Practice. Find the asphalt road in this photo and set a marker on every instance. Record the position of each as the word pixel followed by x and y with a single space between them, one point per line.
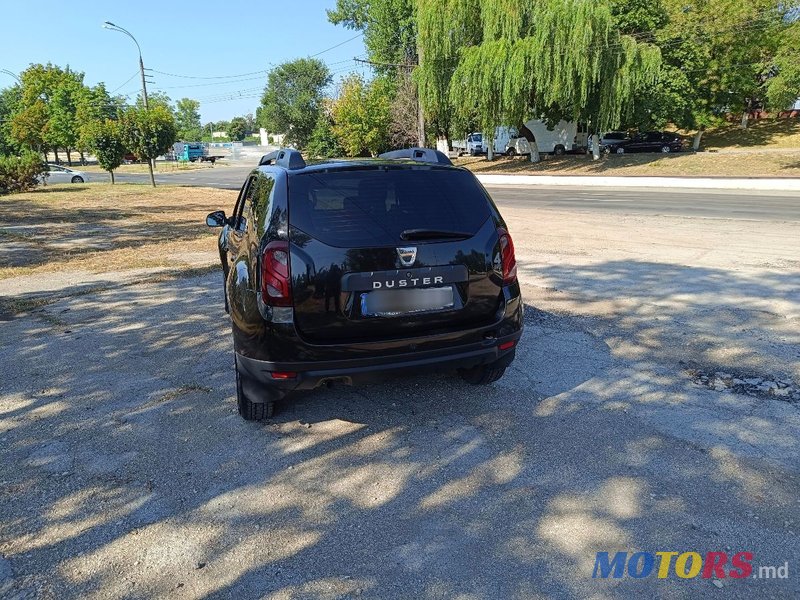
pixel 728 204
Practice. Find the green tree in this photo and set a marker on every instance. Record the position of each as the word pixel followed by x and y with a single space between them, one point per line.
pixel 719 57
pixel 389 26
pixel 56 90
pixel 361 116
pixel 292 98
pixel 9 104
pixel 323 142
pixel 105 141
pixel 29 127
pixel 784 88
pixel 148 133
pixel 187 117
pixel 237 129
pixel 64 128
pixel 94 104
pixel 552 58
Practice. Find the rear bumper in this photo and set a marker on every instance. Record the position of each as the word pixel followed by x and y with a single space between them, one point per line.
pixel 259 384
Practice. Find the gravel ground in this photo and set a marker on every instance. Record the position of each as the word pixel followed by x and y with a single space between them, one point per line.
pixel 126 471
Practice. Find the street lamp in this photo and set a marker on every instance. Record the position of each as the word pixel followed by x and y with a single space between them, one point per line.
pixel 112 27
pixel 10 74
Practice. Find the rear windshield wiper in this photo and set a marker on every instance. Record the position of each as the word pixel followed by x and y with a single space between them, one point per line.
pixel 432 234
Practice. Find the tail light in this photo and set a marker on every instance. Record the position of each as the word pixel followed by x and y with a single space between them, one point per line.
pixel 276 287
pixel 507 258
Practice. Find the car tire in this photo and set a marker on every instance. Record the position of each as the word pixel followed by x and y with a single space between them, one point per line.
pixel 77 179
pixel 511 152
pixel 619 150
pixel 251 411
pixel 482 374
pixel 666 149
pixel 559 150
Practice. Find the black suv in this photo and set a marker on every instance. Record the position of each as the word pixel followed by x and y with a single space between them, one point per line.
pixel 351 270
pixel 648 141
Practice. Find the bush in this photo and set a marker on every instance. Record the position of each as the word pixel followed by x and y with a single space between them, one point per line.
pixel 19 173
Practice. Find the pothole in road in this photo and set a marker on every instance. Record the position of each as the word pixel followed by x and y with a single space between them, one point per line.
pixel 758 386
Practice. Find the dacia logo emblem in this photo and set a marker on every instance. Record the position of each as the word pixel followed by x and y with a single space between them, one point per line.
pixel 407 256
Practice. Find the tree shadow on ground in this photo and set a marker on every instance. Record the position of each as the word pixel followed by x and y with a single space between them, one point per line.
pixel 126 471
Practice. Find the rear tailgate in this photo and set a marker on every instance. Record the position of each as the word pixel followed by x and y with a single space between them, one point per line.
pixel 356 279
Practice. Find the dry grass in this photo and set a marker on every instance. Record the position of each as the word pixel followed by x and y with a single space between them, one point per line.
pixel 765 134
pixel 771 164
pixel 99 228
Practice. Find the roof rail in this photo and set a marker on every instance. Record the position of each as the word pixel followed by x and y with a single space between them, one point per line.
pixel 421 154
pixel 284 157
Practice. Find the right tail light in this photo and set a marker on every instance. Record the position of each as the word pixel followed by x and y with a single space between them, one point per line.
pixel 507 258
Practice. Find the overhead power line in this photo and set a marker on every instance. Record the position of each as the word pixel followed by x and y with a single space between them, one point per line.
pixel 337 45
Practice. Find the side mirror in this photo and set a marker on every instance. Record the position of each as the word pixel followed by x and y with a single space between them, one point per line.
pixel 217 219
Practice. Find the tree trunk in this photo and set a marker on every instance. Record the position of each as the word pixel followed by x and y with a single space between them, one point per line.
pixel 112 177
pixel 55 153
pixel 490 151
pixel 745 116
pixel 83 159
pixel 150 167
pixel 595 147
pixel 535 155
pixel 69 156
pixel 697 137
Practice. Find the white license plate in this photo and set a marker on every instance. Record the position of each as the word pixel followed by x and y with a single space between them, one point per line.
pixel 385 303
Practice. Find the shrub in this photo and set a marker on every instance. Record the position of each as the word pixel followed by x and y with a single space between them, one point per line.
pixel 19 173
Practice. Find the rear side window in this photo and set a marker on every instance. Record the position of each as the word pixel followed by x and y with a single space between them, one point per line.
pixel 372 207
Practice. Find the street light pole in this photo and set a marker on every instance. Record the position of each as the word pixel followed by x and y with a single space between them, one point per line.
pixel 109 25
pixel 10 74
pixel 113 27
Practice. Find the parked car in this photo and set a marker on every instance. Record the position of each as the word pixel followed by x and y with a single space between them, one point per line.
pixel 609 137
pixel 59 174
pixel 349 271
pixel 647 141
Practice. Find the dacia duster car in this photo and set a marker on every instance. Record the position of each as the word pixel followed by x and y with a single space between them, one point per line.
pixel 353 270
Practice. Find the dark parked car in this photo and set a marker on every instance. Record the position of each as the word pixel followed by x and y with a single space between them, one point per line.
pixel 648 141
pixel 348 271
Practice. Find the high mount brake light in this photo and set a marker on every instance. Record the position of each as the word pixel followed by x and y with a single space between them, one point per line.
pixel 507 257
pixel 276 287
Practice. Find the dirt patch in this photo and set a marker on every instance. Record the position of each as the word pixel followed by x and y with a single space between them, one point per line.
pixel 100 227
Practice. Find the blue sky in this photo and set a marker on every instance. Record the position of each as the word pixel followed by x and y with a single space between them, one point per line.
pixel 193 39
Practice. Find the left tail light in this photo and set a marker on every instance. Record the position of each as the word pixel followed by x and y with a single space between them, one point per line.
pixel 276 280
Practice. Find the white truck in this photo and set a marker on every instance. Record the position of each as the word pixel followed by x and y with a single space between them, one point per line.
pixel 563 137
pixel 472 145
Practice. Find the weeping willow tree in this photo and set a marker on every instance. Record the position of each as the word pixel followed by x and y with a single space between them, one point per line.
pixel 502 62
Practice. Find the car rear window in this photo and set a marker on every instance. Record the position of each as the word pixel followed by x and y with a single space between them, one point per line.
pixel 372 207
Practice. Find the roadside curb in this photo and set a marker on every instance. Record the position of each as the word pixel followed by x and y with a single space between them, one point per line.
pixel 776 184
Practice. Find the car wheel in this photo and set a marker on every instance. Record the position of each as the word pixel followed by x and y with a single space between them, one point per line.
pixel 620 150
pixel 666 149
pixel 482 374
pixel 511 152
pixel 251 411
pixel 559 150
pixel 77 179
